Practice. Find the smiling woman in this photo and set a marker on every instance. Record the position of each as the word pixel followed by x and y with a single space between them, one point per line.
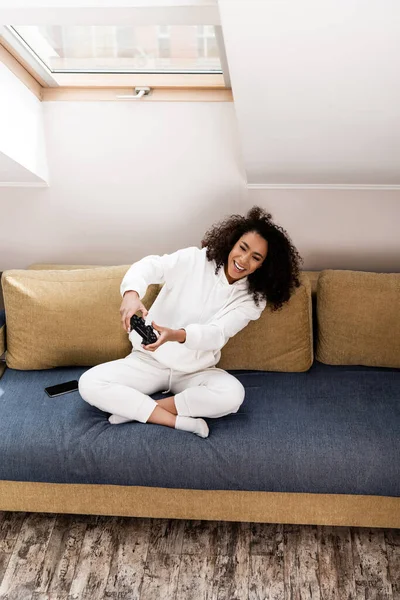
pixel 199 308
pixel 244 258
pixel 270 261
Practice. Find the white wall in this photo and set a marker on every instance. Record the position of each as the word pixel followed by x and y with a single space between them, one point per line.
pixel 338 229
pixel 22 145
pixel 316 88
pixel 130 179
pixel 127 179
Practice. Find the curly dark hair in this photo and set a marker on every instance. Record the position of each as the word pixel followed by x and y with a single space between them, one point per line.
pixel 278 275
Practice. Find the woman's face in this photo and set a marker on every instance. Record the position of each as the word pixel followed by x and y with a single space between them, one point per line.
pixel 249 252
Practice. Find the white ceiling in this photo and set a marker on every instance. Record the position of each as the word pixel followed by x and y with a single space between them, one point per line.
pixel 316 83
pixel 316 86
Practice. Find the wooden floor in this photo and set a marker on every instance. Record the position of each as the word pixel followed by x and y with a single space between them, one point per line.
pixel 47 556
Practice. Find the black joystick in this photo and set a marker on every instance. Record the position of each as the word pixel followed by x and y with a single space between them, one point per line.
pixel 146 331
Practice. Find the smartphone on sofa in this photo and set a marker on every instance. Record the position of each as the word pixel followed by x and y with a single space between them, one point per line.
pixel 62 388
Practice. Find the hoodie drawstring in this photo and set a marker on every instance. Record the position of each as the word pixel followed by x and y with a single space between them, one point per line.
pixel 169 384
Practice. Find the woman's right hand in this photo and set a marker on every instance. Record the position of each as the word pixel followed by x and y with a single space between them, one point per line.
pixel 130 305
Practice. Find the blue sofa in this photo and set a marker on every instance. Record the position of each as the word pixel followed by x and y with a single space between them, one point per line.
pixel 318 447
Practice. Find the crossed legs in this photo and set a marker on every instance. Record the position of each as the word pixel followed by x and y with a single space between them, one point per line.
pixel 124 387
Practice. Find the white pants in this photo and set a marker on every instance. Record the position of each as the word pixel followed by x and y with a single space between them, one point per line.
pixel 122 387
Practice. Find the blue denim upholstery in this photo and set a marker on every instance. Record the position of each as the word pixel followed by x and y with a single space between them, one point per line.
pixel 334 429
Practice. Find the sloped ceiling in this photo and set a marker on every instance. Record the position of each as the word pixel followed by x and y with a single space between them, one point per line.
pixel 22 149
pixel 316 86
pixel 13 172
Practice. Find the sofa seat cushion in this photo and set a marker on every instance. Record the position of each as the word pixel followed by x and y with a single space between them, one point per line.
pixel 334 429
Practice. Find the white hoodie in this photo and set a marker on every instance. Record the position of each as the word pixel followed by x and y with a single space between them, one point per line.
pixel 193 298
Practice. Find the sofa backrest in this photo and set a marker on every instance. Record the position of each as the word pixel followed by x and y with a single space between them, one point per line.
pixel 348 317
pixel 73 316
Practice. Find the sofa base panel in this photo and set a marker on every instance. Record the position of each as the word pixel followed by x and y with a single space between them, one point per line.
pixel 219 505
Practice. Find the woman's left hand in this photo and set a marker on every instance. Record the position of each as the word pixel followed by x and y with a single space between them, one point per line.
pixel 166 335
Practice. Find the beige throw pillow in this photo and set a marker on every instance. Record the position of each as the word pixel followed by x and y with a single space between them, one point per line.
pixel 65 315
pixel 358 318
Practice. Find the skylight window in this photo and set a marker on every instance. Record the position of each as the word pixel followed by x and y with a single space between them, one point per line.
pixel 183 49
pixel 141 43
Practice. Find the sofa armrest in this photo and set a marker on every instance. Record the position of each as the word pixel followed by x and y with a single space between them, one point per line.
pixel 2 332
pixel 2 341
